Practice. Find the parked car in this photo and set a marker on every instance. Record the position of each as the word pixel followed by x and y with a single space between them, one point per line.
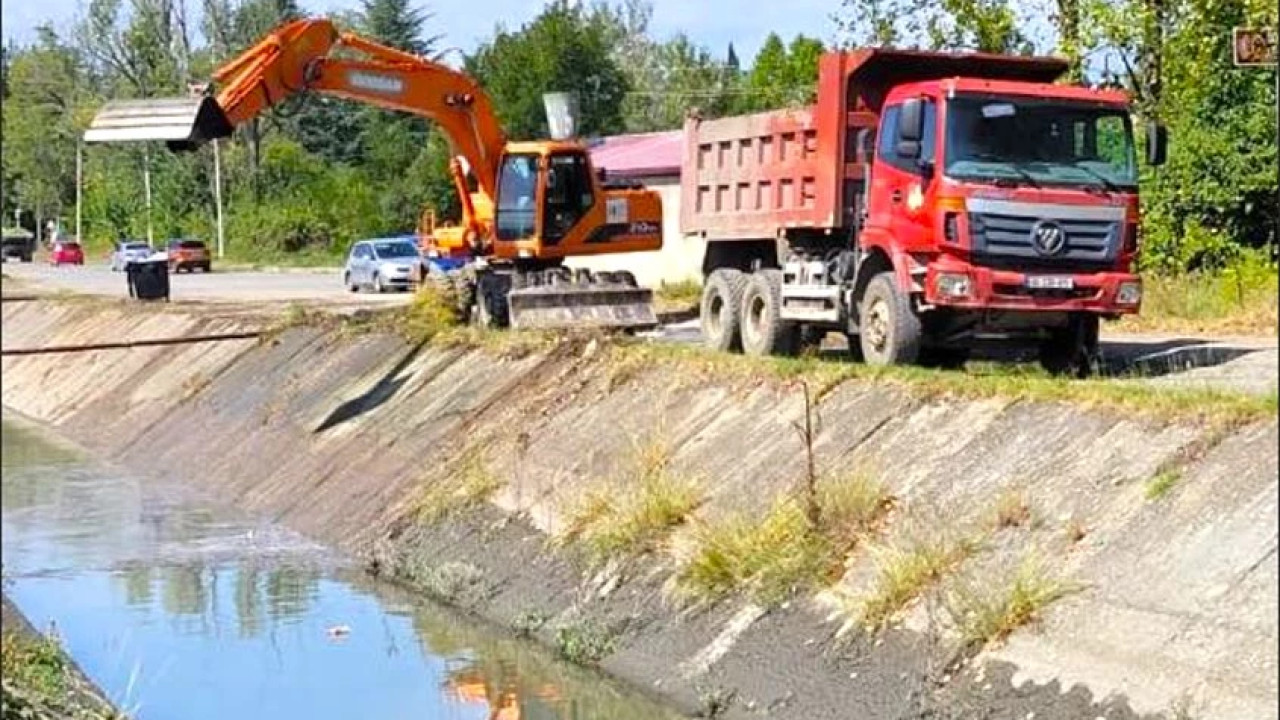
pixel 383 264
pixel 66 252
pixel 189 255
pixel 18 243
pixel 127 251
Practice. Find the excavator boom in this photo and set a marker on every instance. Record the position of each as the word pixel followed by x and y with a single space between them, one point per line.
pixel 554 205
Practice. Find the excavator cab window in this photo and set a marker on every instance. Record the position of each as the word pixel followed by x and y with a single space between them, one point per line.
pixel 569 194
pixel 517 207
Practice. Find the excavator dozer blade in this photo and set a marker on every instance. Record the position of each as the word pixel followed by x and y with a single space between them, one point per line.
pixel 606 306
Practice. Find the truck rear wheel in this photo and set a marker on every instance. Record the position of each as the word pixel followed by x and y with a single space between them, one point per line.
pixel 888 329
pixel 764 332
pixel 721 298
pixel 1073 349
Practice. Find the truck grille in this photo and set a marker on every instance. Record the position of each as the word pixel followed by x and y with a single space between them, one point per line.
pixel 1009 236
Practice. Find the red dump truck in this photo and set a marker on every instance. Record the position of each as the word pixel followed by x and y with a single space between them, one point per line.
pixel 924 204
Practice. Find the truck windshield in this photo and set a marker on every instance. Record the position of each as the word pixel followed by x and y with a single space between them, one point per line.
pixel 1025 140
pixel 517 197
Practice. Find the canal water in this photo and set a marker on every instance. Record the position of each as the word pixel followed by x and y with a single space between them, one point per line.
pixel 182 612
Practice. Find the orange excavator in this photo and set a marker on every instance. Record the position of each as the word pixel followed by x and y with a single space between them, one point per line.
pixel 534 204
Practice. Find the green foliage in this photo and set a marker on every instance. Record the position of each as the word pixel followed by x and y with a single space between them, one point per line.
pixel 782 75
pixel 563 49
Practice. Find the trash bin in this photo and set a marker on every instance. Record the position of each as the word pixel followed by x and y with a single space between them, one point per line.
pixel 148 279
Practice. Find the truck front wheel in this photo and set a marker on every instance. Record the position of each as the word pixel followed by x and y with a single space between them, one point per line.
pixel 1071 350
pixel 888 329
pixel 721 298
pixel 764 332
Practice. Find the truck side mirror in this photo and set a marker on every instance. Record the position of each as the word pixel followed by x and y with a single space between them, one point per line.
pixel 910 128
pixel 1157 143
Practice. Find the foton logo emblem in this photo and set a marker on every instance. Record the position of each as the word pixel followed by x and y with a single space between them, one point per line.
pixel 377 83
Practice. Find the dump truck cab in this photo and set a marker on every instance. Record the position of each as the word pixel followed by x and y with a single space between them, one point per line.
pixel 926 203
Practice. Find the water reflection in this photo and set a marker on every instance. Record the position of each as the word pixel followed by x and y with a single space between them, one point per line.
pixel 185 613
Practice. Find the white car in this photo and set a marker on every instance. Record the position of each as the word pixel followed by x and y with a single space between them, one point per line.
pixel 381 265
pixel 127 251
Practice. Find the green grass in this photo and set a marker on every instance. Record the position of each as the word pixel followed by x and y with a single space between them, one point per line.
pixel 1011 510
pixel 1159 403
pixel 782 553
pixel 584 643
pixel 985 612
pixel 634 513
pixel 902 574
pixel 1162 483
pixel 678 295
pixel 39 682
pixel 1241 300
pixel 469 485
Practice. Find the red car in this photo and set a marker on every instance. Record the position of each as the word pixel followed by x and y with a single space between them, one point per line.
pixel 66 252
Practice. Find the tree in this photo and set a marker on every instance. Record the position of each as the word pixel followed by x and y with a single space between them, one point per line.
pixel 981 25
pixel 782 75
pixel 42 115
pixel 563 49
pixel 397 23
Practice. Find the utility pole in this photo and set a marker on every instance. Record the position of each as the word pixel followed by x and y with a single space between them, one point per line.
pixel 79 185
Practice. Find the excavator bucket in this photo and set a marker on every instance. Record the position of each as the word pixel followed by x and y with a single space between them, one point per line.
pixel 606 305
pixel 183 123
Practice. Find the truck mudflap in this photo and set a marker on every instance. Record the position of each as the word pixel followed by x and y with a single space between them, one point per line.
pixel 594 305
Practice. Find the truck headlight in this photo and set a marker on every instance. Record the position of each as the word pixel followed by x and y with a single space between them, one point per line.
pixel 1130 293
pixel 955 285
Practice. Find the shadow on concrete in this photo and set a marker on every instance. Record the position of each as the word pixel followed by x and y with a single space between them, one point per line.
pixel 1152 359
pixel 1134 358
pixel 994 696
pixel 382 391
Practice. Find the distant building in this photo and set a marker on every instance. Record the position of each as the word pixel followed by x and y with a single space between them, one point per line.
pixel 654 160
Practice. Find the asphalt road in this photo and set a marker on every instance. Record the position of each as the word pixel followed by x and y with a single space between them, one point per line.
pixel 313 285
pixel 1248 364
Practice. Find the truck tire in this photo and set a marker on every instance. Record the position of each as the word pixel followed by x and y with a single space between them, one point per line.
pixel 764 332
pixel 492 309
pixel 888 329
pixel 1072 350
pixel 718 311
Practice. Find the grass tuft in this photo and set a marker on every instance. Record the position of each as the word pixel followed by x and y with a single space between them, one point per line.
pixel 984 614
pixel 471 484
pixel 678 295
pixel 634 513
pixel 903 574
pixel 1161 483
pixel 434 309
pixel 1011 511
pixel 769 557
pixel 584 643
pixel 781 553
pixel 851 507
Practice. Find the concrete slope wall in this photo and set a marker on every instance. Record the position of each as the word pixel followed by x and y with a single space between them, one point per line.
pixel 337 436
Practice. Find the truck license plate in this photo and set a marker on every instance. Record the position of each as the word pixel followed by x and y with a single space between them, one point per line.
pixel 1050 282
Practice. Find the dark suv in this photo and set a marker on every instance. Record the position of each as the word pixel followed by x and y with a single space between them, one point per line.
pixel 188 255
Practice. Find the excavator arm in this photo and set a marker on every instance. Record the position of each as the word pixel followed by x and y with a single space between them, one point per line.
pixel 310 55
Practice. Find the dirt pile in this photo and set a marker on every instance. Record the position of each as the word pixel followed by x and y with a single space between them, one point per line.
pixel 955 558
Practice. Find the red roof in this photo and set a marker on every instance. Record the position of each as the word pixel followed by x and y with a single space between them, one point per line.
pixel 640 155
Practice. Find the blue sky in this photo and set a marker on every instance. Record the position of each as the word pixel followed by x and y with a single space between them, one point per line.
pixel 712 23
